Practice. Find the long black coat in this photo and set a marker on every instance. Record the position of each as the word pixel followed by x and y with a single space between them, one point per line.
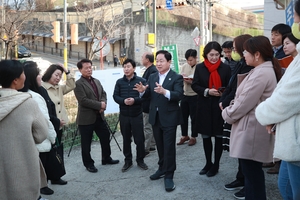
pixel 208 117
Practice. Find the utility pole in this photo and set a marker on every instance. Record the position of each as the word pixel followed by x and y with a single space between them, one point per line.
pixel 202 35
pixel 2 30
pixel 210 21
pixel 154 25
pixel 65 36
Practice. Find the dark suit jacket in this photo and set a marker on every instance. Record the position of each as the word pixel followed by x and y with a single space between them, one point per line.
pixel 150 70
pixel 280 53
pixel 169 111
pixel 88 104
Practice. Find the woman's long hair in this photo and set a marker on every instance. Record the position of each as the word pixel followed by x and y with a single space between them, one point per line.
pixel 31 71
pixel 262 45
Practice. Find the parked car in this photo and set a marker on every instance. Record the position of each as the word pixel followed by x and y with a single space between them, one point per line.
pixel 23 52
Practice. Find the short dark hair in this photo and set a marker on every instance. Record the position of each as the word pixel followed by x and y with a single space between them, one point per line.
pixel 210 46
pixel 9 71
pixel 239 42
pixel 291 37
pixel 128 60
pixel 190 53
pixel 31 71
pixel 227 45
pixel 150 57
pixel 48 73
pixel 85 60
pixel 297 7
pixel 282 29
pixel 167 54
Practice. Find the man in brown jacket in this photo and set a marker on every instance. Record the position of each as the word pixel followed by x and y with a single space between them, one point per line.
pixel 92 100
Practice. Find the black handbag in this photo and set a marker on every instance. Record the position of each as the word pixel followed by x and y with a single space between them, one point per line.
pixel 55 164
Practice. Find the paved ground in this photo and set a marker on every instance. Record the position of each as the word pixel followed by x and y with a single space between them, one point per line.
pixel 110 183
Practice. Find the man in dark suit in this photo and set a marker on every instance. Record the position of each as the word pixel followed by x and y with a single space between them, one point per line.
pixel 147 61
pixel 165 89
pixel 92 101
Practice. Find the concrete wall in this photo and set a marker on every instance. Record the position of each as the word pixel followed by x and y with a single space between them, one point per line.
pixel 272 16
pixel 165 36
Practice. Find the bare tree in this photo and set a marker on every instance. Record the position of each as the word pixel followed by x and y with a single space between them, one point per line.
pixel 103 21
pixel 15 21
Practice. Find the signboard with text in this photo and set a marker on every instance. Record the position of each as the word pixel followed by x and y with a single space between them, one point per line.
pixel 289 13
pixel 172 48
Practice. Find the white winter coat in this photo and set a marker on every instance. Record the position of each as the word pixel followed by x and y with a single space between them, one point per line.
pixel 283 109
pixel 45 146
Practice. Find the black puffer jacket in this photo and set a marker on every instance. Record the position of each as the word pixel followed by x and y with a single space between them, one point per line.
pixel 124 90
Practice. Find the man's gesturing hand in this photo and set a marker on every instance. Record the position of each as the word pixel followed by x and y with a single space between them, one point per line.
pixel 159 89
pixel 140 87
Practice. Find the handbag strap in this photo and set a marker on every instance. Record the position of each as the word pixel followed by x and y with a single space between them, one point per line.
pixel 57 142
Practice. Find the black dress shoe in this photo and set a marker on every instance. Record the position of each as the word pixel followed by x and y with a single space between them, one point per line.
pixel 46 191
pixel 205 169
pixel 169 185
pixel 58 182
pixel 110 162
pixel 157 175
pixel 142 165
pixel 126 166
pixel 213 171
pixel 92 169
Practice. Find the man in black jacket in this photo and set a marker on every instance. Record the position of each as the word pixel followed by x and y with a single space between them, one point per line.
pixel 147 61
pixel 131 116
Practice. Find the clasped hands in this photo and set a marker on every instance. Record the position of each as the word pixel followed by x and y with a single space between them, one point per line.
pixel 141 88
pixel 103 107
pixel 129 101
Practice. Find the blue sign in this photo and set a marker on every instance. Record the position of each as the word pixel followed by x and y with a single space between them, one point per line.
pixel 289 13
pixel 169 4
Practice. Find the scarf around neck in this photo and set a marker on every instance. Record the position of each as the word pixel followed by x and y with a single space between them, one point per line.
pixel 214 78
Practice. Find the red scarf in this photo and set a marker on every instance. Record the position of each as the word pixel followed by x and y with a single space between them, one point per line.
pixel 214 78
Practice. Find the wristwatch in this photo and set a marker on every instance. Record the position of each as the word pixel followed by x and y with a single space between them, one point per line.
pixel 68 72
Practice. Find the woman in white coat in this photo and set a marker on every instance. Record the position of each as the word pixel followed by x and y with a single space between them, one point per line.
pixel 283 109
pixel 249 141
pixel 32 85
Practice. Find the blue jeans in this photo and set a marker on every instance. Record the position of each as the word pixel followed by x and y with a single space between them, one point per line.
pixel 289 181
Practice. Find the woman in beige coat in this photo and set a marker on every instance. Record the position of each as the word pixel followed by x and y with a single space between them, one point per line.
pixel 22 125
pixel 249 141
pixel 56 91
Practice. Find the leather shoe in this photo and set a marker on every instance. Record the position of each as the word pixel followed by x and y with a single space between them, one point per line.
pixel 183 139
pixel 169 185
pixel 192 141
pixel 157 175
pixel 142 165
pixel 110 162
pixel 46 191
pixel 205 169
pixel 126 166
pixel 92 169
pixel 213 171
pixel 268 165
pixel 58 182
